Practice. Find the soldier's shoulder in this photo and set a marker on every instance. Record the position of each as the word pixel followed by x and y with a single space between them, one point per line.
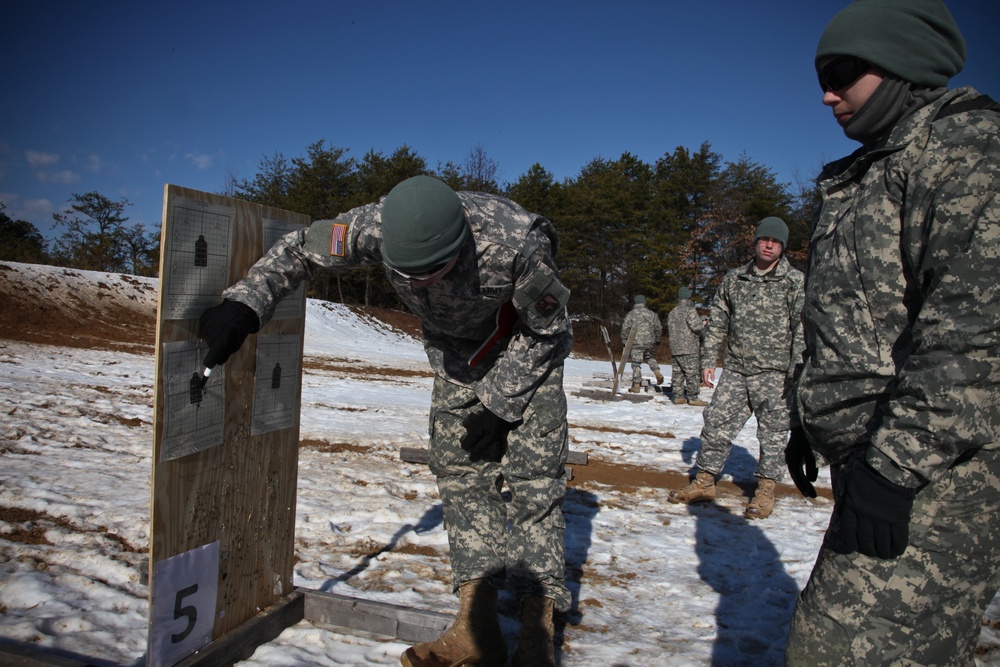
pixel 967 119
pixel 488 207
pixel 499 220
pixel 796 275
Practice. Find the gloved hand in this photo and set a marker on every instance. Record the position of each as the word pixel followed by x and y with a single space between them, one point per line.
pixel 224 328
pixel 873 517
pixel 801 462
pixel 485 433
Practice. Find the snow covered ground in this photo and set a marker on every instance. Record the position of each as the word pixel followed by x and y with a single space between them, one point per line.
pixel 653 583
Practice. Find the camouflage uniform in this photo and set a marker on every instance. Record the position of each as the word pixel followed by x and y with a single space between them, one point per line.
pixel 760 317
pixel 902 321
pixel 684 326
pixel 502 420
pixel 648 332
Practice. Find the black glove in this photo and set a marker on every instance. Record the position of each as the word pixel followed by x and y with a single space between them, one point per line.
pixel 224 328
pixel 485 434
pixel 801 462
pixel 873 517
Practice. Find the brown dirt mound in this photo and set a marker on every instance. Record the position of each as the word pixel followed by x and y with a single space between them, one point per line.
pixel 76 308
pixel 58 306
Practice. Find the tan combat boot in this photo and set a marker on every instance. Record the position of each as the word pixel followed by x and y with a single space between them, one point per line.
pixel 659 377
pixel 680 401
pixel 763 500
pixel 474 637
pixel 536 647
pixel 635 388
pixel 701 489
pixel 697 402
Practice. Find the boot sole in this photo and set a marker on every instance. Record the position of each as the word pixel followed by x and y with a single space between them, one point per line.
pixel 682 501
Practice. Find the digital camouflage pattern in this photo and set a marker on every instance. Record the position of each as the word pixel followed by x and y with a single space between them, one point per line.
pixel 648 333
pixel 759 319
pixel 902 313
pixel 648 330
pixel 684 327
pixel 508 257
pixel 902 322
pixel 685 375
pixel 923 608
pixel 737 396
pixel 470 455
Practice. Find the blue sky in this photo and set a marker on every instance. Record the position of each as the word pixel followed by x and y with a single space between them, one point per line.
pixel 122 97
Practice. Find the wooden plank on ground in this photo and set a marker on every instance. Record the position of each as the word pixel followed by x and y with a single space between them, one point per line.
pixel 23 654
pixel 241 642
pixel 382 618
pixel 421 455
pixel 605 396
pixel 405 624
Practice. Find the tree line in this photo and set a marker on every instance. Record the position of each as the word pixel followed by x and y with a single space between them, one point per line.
pixel 96 236
pixel 626 227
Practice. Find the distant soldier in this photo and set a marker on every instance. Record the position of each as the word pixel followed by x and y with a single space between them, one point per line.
pixel 461 262
pixel 757 314
pixel 684 326
pixel 648 333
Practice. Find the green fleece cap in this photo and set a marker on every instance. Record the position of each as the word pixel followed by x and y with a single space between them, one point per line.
pixel 423 224
pixel 640 298
pixel 684 293
pixel 772 228
pixel 917 40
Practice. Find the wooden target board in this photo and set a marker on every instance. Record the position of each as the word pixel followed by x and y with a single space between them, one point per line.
pixel 225 455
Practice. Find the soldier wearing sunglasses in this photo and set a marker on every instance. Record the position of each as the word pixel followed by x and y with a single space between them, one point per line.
pixel 478 270
pixel 900 391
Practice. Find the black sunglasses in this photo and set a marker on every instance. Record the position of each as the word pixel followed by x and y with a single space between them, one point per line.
pixel 841 72
pixel 422 275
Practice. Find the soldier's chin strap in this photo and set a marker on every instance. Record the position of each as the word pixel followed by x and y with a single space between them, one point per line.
pixel 506 316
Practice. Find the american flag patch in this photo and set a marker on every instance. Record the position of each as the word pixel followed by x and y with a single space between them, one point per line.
pixel 337 240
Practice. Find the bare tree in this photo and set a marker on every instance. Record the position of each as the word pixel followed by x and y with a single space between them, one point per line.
pixel 480 173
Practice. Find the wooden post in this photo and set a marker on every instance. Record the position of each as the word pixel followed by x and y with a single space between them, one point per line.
pixel 223 485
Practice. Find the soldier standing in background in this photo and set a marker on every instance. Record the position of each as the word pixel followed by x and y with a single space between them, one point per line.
pixel 757 313
pixel 497 414
pixel 899 390
pixel 684 326
pixel 648 333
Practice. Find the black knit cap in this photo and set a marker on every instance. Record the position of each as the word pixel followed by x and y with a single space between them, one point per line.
pixel 423 224
pixel 917 40
pixel 772 227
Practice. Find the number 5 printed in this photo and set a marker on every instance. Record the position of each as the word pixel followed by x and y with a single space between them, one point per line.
pixel 182 610
pixel 190 611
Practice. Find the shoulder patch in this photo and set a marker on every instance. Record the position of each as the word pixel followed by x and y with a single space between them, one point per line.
pixel 337 237
pixel 542 295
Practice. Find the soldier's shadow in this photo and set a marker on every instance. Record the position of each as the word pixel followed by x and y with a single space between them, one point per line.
pixel 579 509
pixel 736 558
pixel 756 594
pixel 432 518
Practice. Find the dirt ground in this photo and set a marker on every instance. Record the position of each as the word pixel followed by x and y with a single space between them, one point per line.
pixel 123 317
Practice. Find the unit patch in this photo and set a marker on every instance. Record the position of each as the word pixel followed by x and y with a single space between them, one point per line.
pixel 543 296
pixel 547 305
